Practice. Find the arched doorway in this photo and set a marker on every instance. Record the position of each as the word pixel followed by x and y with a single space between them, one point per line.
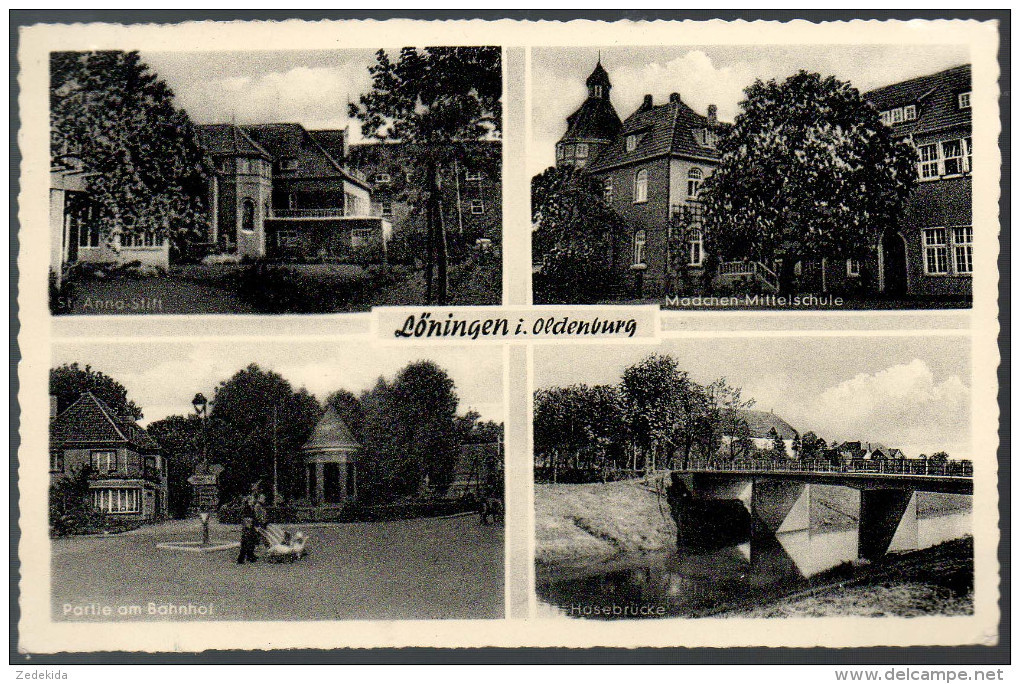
pixel 894 263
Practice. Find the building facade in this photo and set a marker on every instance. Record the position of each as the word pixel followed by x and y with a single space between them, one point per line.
pixel 471 189
pixel 653 163
pixel 128 472
pixel 277 191
pixel 651 166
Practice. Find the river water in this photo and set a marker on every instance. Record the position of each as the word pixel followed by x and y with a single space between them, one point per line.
pixel 686 584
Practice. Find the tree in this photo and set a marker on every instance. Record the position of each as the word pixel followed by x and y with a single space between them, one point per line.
pixel 471 429
pixel 350 410
pixel 69 381
pixel 797 446
pixel 939 457
pixel 435 102
pixel 811 445
pixel 734 433
pixel 70 504
pixel 807 171
pixel 144 164
pixel 180 438
pixel 778 445
pixel 577 238
pixel 255 415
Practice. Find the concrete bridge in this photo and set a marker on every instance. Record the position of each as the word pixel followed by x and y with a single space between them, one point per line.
pixel 777 494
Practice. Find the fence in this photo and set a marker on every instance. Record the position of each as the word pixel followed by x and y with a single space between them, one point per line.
pixel 889 466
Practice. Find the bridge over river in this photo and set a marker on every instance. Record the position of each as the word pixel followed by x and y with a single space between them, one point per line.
pixel 777 495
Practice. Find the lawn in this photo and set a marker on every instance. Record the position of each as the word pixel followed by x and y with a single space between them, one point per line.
pixel 408 569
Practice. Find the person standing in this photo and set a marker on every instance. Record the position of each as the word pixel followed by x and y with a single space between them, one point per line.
pixel 249 540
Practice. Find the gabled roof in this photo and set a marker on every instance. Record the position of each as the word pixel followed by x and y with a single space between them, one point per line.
pixel 668 129
pixel 91 420
pixel 331 434
pixel 227 139
pixel 760 423
pixel 935 96
pixel 292 141
pixel 333 140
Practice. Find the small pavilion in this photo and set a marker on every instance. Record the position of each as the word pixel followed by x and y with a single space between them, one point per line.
pixel 330 457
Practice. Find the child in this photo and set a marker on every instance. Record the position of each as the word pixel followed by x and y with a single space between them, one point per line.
pixel 249 540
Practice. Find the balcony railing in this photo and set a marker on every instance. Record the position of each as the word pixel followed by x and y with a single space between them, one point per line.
pixel 327 212
pixel 750 269
pixel 884 466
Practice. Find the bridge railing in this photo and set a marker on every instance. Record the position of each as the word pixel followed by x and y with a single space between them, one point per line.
pixel 888 466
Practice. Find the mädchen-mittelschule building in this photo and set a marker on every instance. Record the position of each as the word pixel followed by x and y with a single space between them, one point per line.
pixel 653 163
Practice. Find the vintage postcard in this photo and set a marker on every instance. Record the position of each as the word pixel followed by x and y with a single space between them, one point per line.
pixel 407 333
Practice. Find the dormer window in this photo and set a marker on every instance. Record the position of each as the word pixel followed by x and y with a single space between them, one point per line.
pixel 631 142
pixel 964 100
pixel 582 150
pixel 909 113
pixel 382 178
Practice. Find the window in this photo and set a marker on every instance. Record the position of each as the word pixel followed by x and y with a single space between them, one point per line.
pixel 382 178
pixel 641 186
pixel 477 175
pixel 57 461
pixel 909 113
pixel 967 155
pixel 607 190
pixel 477 206
pixel 853 268
pixel 963 249
pixel 952 155
pixel 568 150
pixel 248 216
pixel 223 165
pixel 639 247
pixel 243 165
pixel 582 150
pixel 88 233
pixel 104 461
pixel 964 100
pixel 287 238
pixel 596 91
pixel 694 177
pixel 935 251
pixel 361 237
pixel 117 500
pixel 147 238
pixel 559 152
pixel 288 164
pixel 387 207
pixel 928 161
pixel 885 117
pixel 696 248
pixel 896 115
pixel 631 142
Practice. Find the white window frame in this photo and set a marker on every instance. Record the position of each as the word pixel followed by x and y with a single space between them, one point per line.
pixel 477 206
pixel 640 240
pixel 361 237
pixel 695 177
pixel 696 248
pixel 386 206
pixel 963 100
pixel 853 268
pixel 607 190
pixel 947 158
pixel 910 113
pixel 559 152
pixel 117 499
pixel 631 142
pixel 935 245
pixel 896 115
pixel 597 91
pixel 96 460
pixel 473 175
pixel 382 178
pixel 582 150
pixel 57 461
pixel 963 249
pixel 640 186
pixel 930 168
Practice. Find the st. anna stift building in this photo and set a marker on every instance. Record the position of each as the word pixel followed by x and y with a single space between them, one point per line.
pixel 653 163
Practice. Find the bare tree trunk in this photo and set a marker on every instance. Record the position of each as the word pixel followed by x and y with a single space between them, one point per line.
pixel 430 252
pixel 437 236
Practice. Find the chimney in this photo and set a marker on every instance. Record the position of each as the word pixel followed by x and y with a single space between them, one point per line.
pixel 674 97
pixel 646 104
pixel 713 115
pixel 53 406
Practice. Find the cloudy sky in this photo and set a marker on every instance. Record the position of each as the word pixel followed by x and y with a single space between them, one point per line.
pixel 310 87
pixel 705 75
pixel 907 392
pixel 162 378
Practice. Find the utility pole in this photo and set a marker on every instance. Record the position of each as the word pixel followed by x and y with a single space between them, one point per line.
pixel 456 178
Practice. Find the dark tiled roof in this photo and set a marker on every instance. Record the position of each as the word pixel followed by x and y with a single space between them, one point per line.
pixel 334 141
pixel 90 419
pixel 292 141
pixel 331 432
pixel 219 139
pixel 761 422
pixel 596 119
pixel 934 95
pixel 667 129
pixel 598 76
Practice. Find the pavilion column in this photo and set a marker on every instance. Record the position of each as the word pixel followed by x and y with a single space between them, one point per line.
pixel 320 495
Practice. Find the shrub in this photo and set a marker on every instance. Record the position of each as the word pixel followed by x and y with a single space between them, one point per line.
pixel 478 280
pixel 271 288
pixel 71 510
pixel 573 277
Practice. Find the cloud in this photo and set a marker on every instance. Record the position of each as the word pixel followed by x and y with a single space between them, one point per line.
pixel 902 406
pixel 316 97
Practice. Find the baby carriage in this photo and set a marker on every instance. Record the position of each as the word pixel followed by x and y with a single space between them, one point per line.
pixel 283 544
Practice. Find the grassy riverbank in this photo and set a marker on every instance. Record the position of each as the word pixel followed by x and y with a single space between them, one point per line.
pixel 934 581
pixel 589 522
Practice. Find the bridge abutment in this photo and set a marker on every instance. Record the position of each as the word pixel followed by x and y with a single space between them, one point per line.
pixel 888 522
pixel 780 506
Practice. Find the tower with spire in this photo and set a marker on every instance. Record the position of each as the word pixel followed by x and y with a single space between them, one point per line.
pixel 593 126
